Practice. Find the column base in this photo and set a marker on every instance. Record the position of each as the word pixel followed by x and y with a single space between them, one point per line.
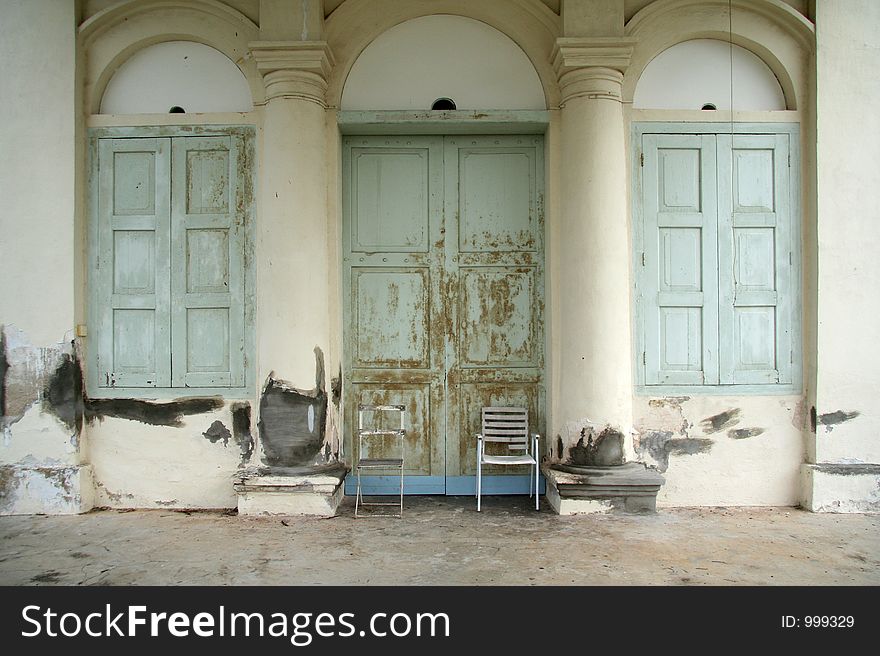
pixel 841 488
pixel 630 488
pixel 34 490
pixel 315 491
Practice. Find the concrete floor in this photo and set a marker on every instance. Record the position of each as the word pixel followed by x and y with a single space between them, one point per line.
pixel 442 540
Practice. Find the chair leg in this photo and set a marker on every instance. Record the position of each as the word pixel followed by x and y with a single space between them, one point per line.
pixel 401 491
pixel 357 496
pixel 537 487
pixel 479 477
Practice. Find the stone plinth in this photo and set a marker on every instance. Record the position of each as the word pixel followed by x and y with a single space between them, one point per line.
pixel 290 490
pixel 578 489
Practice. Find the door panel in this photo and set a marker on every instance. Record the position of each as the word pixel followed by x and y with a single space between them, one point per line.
pixel 494 186
pixel 443 249
pixel 394 331
pixel 133 264
pixel 680 248
pixel 209 277
pixel 753 260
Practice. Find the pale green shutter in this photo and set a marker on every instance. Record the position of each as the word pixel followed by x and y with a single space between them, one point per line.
pixel 755 260
pixel 679 289
pixel 132 276
pixel 207 280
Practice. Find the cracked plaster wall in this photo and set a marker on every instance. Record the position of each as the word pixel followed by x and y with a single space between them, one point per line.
pixel 738 451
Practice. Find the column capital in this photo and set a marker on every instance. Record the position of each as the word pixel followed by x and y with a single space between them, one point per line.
pixel 591 67
pixel 294 69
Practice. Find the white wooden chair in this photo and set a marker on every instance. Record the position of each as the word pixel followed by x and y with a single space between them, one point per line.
pixel 366 435
pixel 509 426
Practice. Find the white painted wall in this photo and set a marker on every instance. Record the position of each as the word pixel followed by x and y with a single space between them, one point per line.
pixel 848 197
pixel 177 73
pixel 693 73
pixel 761 470
pixel 418 61
pixel 38 166
pixel 137 465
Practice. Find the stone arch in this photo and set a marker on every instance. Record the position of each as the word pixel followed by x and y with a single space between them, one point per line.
pixel 528 23
pixel 770 29
pixel 113 35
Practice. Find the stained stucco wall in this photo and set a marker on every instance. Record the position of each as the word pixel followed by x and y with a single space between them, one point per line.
pixel 38 167
pixel 40 452
pixel 848 194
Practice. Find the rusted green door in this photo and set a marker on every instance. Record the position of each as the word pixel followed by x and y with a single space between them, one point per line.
pixel 443 270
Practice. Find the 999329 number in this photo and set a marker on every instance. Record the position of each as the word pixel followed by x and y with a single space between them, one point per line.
pixel 818 622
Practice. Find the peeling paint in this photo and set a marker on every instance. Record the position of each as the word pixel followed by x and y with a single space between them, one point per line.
pixel 241 429
pixel 8 484
pixel 832 419
pixel 336 388
pixel 293 421
pixel 147 412
pixel 216 432
pixel 668 402
pixel 744 433
pixel 717 423
pixel 659 445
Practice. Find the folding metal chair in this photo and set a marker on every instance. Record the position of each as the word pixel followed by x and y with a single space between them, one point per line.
pixel 508 426
pixel 367 435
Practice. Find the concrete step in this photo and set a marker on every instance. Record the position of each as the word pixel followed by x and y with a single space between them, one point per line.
pixel 313 490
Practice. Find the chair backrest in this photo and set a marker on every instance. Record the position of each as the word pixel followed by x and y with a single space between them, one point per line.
pixel 509 425
pixel 380 418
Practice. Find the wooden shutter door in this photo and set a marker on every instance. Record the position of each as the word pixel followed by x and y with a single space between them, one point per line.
pixel 754 245
pixel 679 286
pixel 207 280
pixel 132 299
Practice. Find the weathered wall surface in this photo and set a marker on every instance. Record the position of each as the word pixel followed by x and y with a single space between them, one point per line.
pixel 38 168
pixel 177 454
pixel 845 426
pixel 717 451
pixel 848 192
pixel 40 453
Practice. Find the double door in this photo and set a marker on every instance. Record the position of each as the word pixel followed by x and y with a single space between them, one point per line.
pixel 443 246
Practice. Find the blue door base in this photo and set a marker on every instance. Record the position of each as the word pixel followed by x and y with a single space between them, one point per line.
pixel 452 485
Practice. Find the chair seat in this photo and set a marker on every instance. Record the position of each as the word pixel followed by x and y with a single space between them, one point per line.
pixel 380 462
pixel 524 459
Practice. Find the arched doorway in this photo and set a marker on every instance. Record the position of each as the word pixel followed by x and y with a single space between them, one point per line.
pixel 443 247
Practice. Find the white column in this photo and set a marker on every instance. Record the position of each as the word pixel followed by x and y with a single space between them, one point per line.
pixel 595 359
pixel 292 227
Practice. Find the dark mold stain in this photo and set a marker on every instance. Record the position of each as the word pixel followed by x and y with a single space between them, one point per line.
pixel 147 412
pixel 63 393
pixel 241 429
pixel 216 432
pixel 559 447
pixel 292 421
pixel 606 450
pixel 813 419
pixel 849 470
pixel 47 577
pixel 336 388
pixel 831 419
pixel 719 422
pixel 4 367
pixel 79 554
pixel 660 445
pixel 743 433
